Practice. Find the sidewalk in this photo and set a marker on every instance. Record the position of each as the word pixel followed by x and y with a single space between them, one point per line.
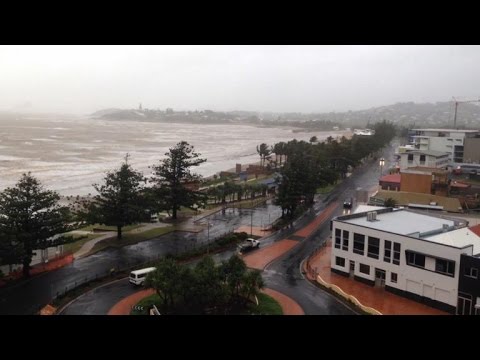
pixel 85 249
pixel 376 298
pixel 40 268
pixel 289 306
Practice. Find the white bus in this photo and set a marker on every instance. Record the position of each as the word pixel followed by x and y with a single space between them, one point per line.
pixel 137 277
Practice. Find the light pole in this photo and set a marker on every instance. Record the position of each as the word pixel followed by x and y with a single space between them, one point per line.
pixel 382 163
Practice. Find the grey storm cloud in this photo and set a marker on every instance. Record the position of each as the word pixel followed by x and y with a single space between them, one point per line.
pixel 83 79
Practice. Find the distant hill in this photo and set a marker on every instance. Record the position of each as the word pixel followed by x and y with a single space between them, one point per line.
pixel 438 114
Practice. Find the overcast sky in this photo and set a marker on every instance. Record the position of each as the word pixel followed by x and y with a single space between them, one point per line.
pixel 83 79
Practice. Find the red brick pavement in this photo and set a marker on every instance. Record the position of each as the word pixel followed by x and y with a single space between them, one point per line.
pixel 289 306
pixel 377 298
pixel 320 219
pixel 124 306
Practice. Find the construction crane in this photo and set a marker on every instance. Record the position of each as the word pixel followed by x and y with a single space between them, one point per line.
pixel 456 106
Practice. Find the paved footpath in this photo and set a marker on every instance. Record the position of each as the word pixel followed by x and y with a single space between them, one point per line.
pixel 124 306
pixel 289 306
pixel 383 301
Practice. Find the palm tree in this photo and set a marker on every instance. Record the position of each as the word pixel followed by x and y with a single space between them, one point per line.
pixel 263 150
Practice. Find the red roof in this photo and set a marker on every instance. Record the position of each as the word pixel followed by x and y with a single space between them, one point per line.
pixel 393 178
pixel 475 229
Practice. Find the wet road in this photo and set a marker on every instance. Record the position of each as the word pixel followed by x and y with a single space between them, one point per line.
pixel 285 275
pixel 28 297
pixel 100 300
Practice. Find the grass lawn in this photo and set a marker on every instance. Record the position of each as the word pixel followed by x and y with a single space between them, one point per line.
pixel 73 247
pixel 109 228
pixel 144 305
pixel 266 306
pixel 129 239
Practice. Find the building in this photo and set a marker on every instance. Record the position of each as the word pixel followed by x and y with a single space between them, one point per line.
pixel 469 284
pixel 427 158
pixel 363 132
pixel 414 255
pixel 390 182
pixel 424 180
pixel 446 140
pixel 471 155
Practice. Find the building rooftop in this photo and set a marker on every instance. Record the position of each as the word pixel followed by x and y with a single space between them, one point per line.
pixel 458 238
pixel 404 198
pixel 451 232
pixel 365 208
pixel 392 178
pixel 401 222
pixel 448 130
pixel 475 229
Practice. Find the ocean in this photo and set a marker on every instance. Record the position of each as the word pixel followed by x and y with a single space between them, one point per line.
pixel 70 154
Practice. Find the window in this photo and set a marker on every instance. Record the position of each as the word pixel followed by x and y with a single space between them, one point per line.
pixel 346 234
pixel 422 159
pixel 471 272
pixel 373 247
pixel 338 238
pixel 388 251
pixel 340 261
pixel 393 277
pixel 365 269
pixel 396 253
pixel 415 259
pixel 358 243
pixel 410 158
pixel 445 267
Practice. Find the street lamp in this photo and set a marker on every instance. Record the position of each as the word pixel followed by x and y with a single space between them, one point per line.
pixel 382 163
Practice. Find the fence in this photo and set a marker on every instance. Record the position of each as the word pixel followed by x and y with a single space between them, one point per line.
pixel 119 270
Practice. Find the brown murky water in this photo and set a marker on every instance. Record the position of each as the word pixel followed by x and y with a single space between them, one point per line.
pixel 70 154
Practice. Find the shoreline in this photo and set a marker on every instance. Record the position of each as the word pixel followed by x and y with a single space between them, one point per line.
pixel 231 168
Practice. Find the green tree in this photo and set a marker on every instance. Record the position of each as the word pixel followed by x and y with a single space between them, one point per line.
pixel 122 200
pixel 31 219
pixel 390 202
pixel 313 139
pixel 263 150
pixel 232 272
pixel 173 174
pixel 252 283
pixel 166 280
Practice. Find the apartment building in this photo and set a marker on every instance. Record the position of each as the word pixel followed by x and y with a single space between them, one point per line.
pixel 449 141
pixel 427 158
pixel 411 254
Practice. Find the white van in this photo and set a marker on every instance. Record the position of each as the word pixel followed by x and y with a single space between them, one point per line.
pixel 137 277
